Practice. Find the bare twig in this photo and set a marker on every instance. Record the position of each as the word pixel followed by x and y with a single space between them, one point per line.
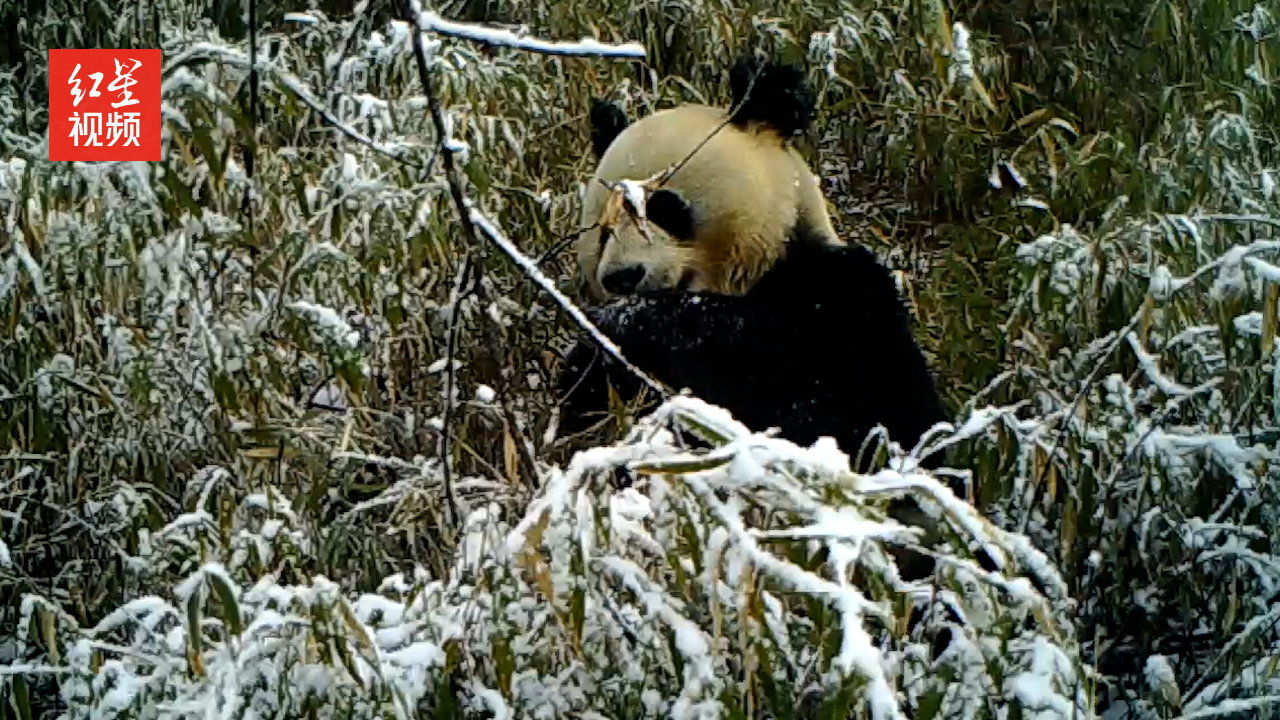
pixel 472 218
pixel 251 149
pixel 494 346
pixel 250 156
pixel 450 352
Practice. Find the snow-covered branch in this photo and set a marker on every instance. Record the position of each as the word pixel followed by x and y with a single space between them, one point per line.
pixel 586 47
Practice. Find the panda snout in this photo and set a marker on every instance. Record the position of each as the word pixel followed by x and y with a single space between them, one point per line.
pixel 623 280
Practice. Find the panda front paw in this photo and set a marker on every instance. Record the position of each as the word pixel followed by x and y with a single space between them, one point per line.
pixel 612 319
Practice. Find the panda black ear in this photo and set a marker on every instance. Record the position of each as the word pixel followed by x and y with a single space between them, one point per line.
pixel 607 122
pixel 771 93
pixel 671 212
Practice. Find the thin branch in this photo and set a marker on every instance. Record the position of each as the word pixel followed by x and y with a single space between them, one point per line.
pixel 460 202
pixel 586 47
pixel 251 151
pixel 451 352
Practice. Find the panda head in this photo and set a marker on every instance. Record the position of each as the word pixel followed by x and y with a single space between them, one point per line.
pixel 698 198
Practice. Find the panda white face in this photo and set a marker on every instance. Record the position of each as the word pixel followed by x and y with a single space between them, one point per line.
pixel 716 224
pixel 656 253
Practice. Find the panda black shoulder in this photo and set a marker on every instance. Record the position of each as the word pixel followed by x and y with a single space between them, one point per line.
pixel 828 298
pixel 851 276
pixel 772 94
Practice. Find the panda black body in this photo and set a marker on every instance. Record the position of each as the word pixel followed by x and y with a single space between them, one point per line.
pixel 753 304
pixel 820 346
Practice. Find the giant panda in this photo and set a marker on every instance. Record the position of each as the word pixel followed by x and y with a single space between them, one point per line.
pixel 731 281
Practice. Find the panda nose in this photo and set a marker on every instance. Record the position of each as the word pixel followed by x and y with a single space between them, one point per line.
pixel 623 280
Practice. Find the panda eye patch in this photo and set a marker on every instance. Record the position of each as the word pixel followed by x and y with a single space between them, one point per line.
pixel 672 213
